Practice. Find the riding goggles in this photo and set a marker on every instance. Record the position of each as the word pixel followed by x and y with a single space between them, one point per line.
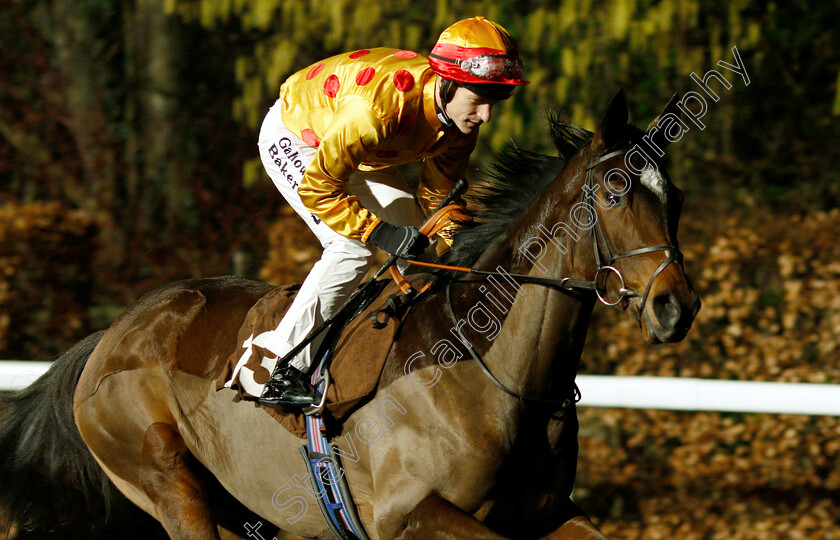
pixel 490 67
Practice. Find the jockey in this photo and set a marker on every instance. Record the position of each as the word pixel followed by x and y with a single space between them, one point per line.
pixel 328 143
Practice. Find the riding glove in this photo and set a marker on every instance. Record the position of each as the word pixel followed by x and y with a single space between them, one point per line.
pixel 404 242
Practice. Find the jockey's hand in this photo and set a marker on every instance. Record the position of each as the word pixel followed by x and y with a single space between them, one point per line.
pixel 405 242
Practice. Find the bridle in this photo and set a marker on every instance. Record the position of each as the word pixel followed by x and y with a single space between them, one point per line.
pixel 605 264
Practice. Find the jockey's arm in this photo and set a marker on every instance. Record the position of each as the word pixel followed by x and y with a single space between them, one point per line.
pixel 354 133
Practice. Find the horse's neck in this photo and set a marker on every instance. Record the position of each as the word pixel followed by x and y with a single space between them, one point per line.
pixel 543 331
pixel 539 345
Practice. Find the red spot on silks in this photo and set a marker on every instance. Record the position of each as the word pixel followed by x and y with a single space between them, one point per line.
pixel 403 80
pixel 310 138
pixel 406 54
pixel 331 86
pixel 315 70
pixel 358 54
pixel 387 154
pixel 406 123
pixel 365 76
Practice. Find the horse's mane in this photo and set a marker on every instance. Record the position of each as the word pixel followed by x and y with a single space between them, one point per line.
pixel 515 180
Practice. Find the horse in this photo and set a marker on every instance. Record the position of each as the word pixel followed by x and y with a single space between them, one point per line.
pixel 472 430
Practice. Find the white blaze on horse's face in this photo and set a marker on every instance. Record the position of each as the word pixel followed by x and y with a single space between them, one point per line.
pixel 653 179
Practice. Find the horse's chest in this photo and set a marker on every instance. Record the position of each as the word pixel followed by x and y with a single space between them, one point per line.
pixel 517 467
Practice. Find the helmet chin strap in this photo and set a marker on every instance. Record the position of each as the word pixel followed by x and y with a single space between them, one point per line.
pixel 445 87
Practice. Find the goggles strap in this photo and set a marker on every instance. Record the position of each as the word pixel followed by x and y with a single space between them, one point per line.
pixel 445 59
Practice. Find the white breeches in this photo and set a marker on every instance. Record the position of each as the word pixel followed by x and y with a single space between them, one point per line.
pixel 343 263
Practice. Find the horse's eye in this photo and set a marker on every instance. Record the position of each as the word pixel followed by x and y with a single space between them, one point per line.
pixel 613 199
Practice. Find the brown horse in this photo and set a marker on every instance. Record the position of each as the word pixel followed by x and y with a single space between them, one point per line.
pixel 440 451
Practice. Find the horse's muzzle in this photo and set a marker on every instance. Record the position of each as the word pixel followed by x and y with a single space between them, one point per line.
pixel 669 318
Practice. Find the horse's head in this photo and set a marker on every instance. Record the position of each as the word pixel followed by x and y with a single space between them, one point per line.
pixel 634 209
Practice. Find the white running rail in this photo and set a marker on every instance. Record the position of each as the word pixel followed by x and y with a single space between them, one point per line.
pixel 689 394
pixel 664 393
pixel 17 374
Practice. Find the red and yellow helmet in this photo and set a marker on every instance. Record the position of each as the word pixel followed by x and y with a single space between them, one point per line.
pixel 478 51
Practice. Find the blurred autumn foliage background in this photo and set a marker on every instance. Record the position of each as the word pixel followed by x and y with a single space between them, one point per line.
pixel 771 312
pixel 128 160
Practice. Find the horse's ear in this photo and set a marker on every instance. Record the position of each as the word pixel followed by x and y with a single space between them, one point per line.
pixel 615 119
pixel 671 109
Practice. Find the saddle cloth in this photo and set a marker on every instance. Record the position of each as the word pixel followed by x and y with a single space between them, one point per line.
pixel 358 358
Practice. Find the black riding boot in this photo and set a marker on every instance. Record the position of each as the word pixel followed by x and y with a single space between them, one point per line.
pixel 290 388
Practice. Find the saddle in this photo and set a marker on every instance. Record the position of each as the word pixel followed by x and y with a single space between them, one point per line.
pixel 355 348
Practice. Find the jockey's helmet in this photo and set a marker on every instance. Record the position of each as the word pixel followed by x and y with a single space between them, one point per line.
pixel 479 55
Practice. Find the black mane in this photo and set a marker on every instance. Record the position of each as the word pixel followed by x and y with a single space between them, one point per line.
pixel 516 179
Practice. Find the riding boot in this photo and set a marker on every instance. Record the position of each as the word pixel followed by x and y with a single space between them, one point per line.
pixel 289 387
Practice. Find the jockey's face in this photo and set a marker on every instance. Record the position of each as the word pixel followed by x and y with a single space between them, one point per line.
pixel 469 110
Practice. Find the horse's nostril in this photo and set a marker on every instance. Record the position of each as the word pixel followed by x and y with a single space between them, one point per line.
pixel 667 309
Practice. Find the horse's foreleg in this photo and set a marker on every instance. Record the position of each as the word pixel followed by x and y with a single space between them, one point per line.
pixel 577 526
pixel 436 518
pixel 173 487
